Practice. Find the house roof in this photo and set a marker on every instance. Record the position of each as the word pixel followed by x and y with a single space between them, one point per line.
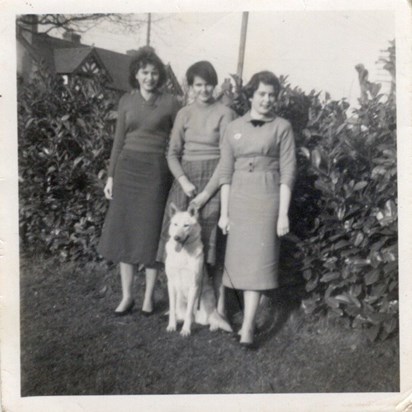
pixel 117 65
pixel 64 57
pixel 69 59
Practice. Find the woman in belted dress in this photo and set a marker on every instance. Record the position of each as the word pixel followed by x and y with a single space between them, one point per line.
pixel 257 172
pixel 139 178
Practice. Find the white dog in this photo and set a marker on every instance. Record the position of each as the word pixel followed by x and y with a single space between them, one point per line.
pixel 186 280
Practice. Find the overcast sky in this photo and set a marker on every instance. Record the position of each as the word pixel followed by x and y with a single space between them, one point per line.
pixel 316 49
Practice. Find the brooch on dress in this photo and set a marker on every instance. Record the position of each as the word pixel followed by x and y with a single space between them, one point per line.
pixel 237 136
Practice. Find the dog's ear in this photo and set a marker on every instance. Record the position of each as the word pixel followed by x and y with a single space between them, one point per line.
pixel 173 209
pixel 193 210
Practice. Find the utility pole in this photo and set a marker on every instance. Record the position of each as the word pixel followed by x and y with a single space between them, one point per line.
pixel 242 44
pixel 149 23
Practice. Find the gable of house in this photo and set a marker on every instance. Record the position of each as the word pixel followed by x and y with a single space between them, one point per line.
pixel 68 57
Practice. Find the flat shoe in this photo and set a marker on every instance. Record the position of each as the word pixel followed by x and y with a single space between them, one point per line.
pixel 126 311
pixel 235 336
pixel 248 346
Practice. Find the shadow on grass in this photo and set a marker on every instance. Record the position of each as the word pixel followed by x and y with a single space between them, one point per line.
pixel 71 344
pixel 277 307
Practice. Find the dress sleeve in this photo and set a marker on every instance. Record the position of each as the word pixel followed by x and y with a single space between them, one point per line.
pixel 119 135
pixel 177 140
pixel 287 157
pixel 227 160
pixel 213 183
pixel 226 119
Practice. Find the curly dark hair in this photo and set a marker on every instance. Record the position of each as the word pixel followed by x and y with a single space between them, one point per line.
pixel 144 56
pixel 265 77
pixel 203 69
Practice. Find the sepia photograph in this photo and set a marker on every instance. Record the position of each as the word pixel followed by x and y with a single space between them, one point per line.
pixel 208 201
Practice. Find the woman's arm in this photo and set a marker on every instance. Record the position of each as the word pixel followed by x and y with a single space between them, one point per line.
pixel 226 170
pixel 174 154
pixel 224 208
pixel 287 169
pixel 283 218
pixel 119 135
pixel 118 142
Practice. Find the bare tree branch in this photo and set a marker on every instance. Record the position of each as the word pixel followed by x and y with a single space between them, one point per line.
pixel 81 23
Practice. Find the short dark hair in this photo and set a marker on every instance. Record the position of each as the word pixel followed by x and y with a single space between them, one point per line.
pixel 265 77
pixel 144 56
pixel 203 69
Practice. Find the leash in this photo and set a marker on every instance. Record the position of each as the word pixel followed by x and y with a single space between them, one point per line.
pixel 201 285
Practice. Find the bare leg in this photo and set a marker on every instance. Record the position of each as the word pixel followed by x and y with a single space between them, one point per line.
pixel 221 302
pixel 218 288
pixel 126 279
pixel 251 298
pixel 151 276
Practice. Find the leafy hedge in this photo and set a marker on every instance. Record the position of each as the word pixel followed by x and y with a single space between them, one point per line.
pixel 64 143
pixel 350 260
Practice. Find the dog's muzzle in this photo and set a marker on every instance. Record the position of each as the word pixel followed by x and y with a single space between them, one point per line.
pixel 180 239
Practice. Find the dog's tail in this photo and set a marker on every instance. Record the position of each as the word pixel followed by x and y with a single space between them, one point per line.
pixel 219 322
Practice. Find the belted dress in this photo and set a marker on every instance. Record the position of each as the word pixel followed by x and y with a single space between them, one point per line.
pixel 255 161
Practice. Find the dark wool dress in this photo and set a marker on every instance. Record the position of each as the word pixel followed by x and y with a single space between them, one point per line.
pixel 141 179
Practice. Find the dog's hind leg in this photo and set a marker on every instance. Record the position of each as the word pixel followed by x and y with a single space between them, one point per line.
pixel 219 322
pixel 171 327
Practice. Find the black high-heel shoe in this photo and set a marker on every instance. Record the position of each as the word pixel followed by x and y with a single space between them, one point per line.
pixel 125 311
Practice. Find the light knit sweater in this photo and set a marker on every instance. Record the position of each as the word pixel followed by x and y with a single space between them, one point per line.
pixel 197 135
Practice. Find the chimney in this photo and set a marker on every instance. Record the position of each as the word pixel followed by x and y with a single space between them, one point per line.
pixel 72 37
pixel 28 25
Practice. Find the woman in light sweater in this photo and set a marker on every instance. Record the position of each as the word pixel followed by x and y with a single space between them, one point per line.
pixel 193 155
pixel 139 178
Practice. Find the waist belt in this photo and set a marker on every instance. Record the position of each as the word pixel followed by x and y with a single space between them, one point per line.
pixel 257 164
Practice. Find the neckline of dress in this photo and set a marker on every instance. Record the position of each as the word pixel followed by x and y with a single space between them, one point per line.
pixel 266 120
pixel 150 101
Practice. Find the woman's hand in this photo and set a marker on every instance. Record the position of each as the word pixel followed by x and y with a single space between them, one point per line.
pixel 224 224
pixel 283 225
pixel 200 200
pixel 188 187
pixel 108 189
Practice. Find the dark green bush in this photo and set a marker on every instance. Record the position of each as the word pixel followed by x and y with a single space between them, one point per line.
pixel 64 142
pixel 350 256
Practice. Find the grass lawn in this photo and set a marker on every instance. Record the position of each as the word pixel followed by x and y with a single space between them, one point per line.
pixel 71 344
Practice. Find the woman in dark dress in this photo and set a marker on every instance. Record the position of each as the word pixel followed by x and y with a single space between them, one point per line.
pixel 257 172
pixel 139 178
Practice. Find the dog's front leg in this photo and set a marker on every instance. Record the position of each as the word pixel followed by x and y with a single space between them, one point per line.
pixel 191 299
pixel 171 327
